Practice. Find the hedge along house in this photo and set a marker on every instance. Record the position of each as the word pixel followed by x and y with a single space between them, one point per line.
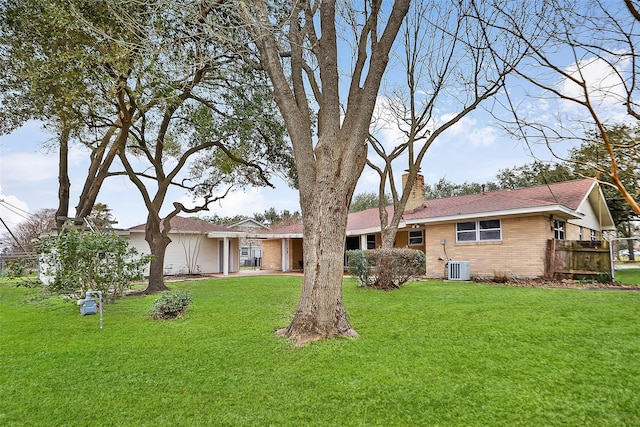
pixel 197 247
pixel 499 233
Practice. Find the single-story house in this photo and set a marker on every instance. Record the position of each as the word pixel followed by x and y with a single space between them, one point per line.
pixel 503 232
pixel 197 247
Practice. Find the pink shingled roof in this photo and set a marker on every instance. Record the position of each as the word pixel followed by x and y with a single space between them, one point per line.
pixel 179 223
pixel 367 219
pixel 568 194
pixel 288 229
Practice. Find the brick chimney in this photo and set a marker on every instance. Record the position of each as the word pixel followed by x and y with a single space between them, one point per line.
pixel 416 196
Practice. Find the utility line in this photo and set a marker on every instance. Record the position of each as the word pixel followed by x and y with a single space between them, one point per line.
pixel 15 209
pixel 13 235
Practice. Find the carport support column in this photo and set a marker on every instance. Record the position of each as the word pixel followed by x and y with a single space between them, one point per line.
pixel 285 255
pixel 225 257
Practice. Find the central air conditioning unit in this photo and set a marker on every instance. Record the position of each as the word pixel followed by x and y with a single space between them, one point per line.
pixel 459 270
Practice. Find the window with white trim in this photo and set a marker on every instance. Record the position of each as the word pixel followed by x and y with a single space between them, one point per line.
pixel 479 231
pixel 593 235
pixel 371 241
pixel 558 229
pixel 416 238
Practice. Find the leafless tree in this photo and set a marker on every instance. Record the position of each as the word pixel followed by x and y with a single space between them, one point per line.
pixel 583 68
pixel 448 73
pixel 20 239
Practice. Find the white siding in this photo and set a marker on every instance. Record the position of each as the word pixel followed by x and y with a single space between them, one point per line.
pixel 590 219
pixel 197 250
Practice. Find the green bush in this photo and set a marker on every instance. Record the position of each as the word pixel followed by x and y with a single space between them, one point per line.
pixel 386 268
pixel 97 261
pixel 170 305
pixel 359 266
pixel 16 268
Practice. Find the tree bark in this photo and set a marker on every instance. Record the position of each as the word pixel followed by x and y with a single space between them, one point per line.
pixel 329 169
pixel 99 169
pixel 158 241
pixel 321 313
pixel 64 184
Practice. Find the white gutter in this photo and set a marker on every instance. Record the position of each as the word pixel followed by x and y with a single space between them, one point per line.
pixel 571 214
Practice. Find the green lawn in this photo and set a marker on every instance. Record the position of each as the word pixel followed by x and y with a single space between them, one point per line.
pixel 431 353
pixel 630 276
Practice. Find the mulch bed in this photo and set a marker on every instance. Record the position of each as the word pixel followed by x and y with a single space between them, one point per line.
pixel 564 283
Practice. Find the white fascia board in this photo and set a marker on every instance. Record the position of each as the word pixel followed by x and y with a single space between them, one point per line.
pixel 553 209
pixel 174 231
pixel 223 234
pixel 363 231
pixel 274 236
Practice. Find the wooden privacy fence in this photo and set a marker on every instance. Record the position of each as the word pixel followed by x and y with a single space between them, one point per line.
pixel 577 259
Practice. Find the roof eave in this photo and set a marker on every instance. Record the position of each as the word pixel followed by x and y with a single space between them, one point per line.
pixel 278 236
pixel 222 234
pixel 551 209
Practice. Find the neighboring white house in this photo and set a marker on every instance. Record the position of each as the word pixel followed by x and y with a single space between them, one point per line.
pixel 197 247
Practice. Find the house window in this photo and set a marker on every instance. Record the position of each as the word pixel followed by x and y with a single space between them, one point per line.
pixel 593 235
pixel 466 231
pixel 558 229
pixel 371 241
pixel 415 238
pixel 474 231
pixel 580 234
pixel 244 251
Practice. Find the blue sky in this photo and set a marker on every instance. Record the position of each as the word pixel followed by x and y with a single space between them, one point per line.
pixel 473 151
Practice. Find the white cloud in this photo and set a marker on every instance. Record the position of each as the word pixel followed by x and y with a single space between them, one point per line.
pixel 385 122
pixel 29 167
pixel 369 181
pixel 12 210
pixel 461 127
pixel 483 137
pixel 605 88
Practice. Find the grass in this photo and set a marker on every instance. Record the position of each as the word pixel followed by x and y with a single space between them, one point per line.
pixel 630 276
pixel 431 353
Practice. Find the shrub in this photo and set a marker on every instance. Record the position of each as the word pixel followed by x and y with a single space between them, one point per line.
pixel 90 261
pixel 359 266
pixel 500 277
pixel 170 305
pixel 386 268
pixel 16 268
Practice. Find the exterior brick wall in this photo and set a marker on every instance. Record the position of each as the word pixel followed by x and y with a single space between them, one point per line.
pixel 521 252
pixel 272 254
pixel 402 240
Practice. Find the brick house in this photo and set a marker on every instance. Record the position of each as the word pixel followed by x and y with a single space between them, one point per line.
pixel 501 232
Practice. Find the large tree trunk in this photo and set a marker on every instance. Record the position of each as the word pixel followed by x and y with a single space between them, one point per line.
pixel 64 184
pixel 158 241
pixel 325 207
pixel 329 169
pixel 321 313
